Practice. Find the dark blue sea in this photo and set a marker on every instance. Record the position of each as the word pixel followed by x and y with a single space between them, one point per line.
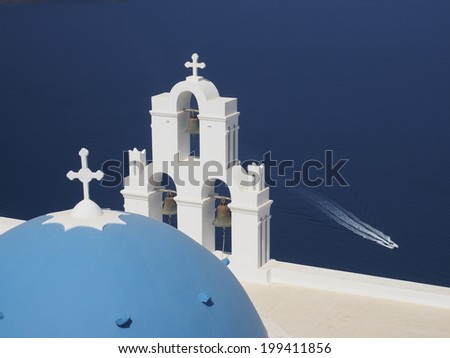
pixel 369 80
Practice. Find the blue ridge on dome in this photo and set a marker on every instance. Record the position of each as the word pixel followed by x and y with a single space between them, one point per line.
pixel 143 279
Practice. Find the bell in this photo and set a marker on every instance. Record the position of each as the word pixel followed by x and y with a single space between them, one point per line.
pixel 193 124
pixel 223 217
pixel 170 205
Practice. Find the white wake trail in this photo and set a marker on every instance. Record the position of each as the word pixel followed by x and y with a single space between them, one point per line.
pixel 350 221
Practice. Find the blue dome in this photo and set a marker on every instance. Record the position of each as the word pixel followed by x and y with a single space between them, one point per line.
pixel 142 279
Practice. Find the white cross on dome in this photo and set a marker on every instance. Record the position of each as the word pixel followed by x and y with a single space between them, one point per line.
pixel 85 175
pixel 86 213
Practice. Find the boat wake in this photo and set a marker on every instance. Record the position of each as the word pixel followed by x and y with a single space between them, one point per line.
pixel 350 221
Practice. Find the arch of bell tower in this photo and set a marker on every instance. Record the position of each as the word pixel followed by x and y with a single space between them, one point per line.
pixel 218 123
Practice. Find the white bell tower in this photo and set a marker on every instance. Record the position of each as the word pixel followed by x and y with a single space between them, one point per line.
pixel 194 177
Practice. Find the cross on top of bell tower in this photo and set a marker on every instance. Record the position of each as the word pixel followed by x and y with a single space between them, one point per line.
pixel 195 65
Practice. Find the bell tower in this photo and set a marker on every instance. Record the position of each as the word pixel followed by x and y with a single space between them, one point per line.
pixel 194 176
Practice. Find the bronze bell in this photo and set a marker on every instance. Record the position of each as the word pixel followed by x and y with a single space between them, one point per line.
pixel 193 124
pixel 170 205
pixel 223 217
